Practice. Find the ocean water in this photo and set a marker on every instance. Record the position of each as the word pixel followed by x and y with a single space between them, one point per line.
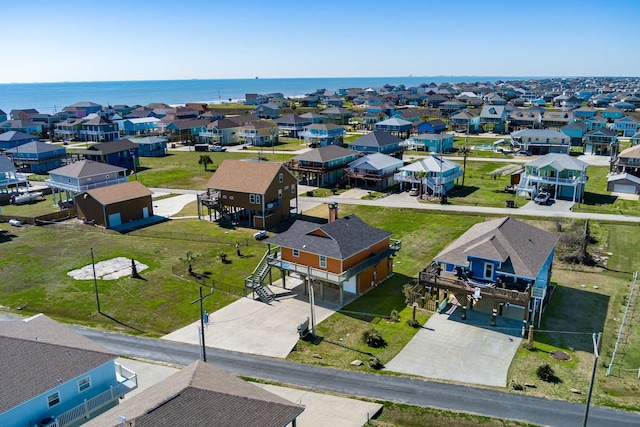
pixel 51 97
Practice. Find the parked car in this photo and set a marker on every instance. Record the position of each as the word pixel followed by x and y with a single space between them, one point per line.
pixel 542 198
pixel 414 192
pixel 218 148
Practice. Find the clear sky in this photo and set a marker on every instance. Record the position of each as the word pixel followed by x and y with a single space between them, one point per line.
pixel 50 41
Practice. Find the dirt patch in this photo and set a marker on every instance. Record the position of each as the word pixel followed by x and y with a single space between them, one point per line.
pixel 111 269
pixel 560 355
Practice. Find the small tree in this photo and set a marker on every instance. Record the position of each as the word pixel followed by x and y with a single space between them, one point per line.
pixel 205 160
pixel 373 338
pixel 465 151
pixel 189 259
pixel 545 373
pixel 420 175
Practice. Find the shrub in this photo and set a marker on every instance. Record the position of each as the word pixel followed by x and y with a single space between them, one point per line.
pixel 394 316
pixel 375 363
pixel 373 338
pixel 545 373
pixel 413 323
pixel 516 385
pixel 531 346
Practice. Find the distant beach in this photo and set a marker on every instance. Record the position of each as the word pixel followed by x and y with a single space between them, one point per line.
pixel 51 97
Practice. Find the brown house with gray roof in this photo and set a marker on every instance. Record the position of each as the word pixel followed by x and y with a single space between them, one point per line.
pixel 202 395
pixel 250 193
pixel 115 205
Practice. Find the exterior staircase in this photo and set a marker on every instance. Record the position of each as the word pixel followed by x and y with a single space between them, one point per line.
pixel 254 281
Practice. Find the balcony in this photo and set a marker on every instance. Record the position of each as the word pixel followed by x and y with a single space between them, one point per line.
pixel 127 381
pixel 81 188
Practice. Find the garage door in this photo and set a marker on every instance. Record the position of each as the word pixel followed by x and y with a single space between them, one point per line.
pixel 114 220
pixel 622 188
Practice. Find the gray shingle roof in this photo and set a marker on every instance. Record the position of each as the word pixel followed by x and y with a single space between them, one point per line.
pixel 559 162
pixel 6 164
pixel 110 147
pixel 377 138
pixel 522 248
pixel 35 147
pixel 339 239
pixel 15 135
pixel 325 154
pixel 376 161
pixel 84 168
pixel 201 394
pixel 40 354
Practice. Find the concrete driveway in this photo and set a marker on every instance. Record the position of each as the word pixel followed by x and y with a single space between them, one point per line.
pixel 469 351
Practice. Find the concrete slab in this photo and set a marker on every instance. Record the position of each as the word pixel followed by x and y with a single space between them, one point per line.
pixel 172 205
pixel 553 206
pixel 251 326
pixel 469 351
pixel 323 410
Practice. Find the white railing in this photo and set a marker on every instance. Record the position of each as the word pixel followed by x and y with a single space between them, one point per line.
pixel 80 188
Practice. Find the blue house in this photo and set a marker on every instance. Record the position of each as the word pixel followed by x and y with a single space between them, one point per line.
pixel 600 142
pixel 57 377
pixel 595 122
pixel 323 166
pixel 498 259
pixel 138 126
pixel 464 121
pixel 431 142
pixel 315 118
pixel 323 134
pixel 575 131
pixel 38 157
pixel 151 146
pixel 626 126
pixel 26 126
pixel 122 153
pixel 267 111
pixel 612 113
pixel 431 126
pixel 14 138
pixel 434 175
pixel 584 113
pixel 10 179
pixel 493 118
pixel 374 171
pixel 378 141
pixel 3 116
pixel 395 126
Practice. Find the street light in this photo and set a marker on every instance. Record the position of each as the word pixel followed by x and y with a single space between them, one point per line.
pixel 596 353
pixel 202 298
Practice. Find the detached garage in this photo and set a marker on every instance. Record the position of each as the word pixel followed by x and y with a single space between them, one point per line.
pixel 623 183
pixel 115 205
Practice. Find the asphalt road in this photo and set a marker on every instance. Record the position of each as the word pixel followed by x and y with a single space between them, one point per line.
pixel 384 387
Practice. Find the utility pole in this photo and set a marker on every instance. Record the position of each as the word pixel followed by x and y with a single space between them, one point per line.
pixel 596 352
pixel 202 298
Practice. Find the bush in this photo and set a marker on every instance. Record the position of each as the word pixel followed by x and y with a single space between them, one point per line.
pixel 516 385
pixel 545 373
pixel 394 316
pixel 531 346
pixel 373 338
pixel 375 363
pixel 413 323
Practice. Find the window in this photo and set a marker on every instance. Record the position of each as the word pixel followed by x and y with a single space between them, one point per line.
pixel 84 383
pixel 280 193
pixel 488 270
pixel 252 198
pixel 293 188
pixel 281 177
pixel 296 253
pixel 323 261
pixel 53 399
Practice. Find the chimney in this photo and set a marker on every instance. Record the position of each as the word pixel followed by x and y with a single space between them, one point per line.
pixel 333 211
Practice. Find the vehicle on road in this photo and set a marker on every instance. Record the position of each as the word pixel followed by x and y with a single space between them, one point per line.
pixel 542 198
pixel 218 148
pixel 414 192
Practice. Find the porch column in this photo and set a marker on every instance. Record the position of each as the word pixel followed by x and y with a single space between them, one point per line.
pixel 341 295
pixel 494 314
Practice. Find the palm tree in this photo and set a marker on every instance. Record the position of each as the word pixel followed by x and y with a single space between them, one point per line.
pixel 420 175
pixel 205 160
pixel 465 151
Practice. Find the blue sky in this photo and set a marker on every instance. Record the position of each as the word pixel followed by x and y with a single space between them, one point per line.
pixel 49 41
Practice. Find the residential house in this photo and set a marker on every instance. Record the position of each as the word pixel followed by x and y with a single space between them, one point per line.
pixel 22 114
pixel 431 126
pixel 540 141
pixel 68 129
pixel 624 106
pixel 378 141
pixel 431 142
pixel 323 134
pixel 138 126
pixel 309 101
pixel 575 131
pixel 584 112
pixel 493 118
pixel 464 121
pixel 412 115
pixel 561 175
pixel 10 179
pixel 254 99
pixel 601 142
pixel 375 171
pixel 3 116
pixel 571 103
pixel 221 131
pixel 524 119
pixel 398 127
pixel 151 146
pixel 626 126
pixel 201 394
pixel 434 101
pixel 595 122
pixel 556 119
pixel 501 266
pixel 25 126
pixel 123 153
pixel 315 118
pixel 451 106
pixel 115 205
pixel 635 139
pixel 58 377
pixel 211 115
pixel 433 175
pixel 333 101
pixel 323 166
pixel 346 253
pixel 625 173
pixel 15 138
pixel 37 157
pixel 612 113
pixel 187 130
pixel 250 193
pixel 267 111
pixel 336 115
pixel 99 129
pixel 292 125
pixel 67 181
pixel 259 134
pixel 83 109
